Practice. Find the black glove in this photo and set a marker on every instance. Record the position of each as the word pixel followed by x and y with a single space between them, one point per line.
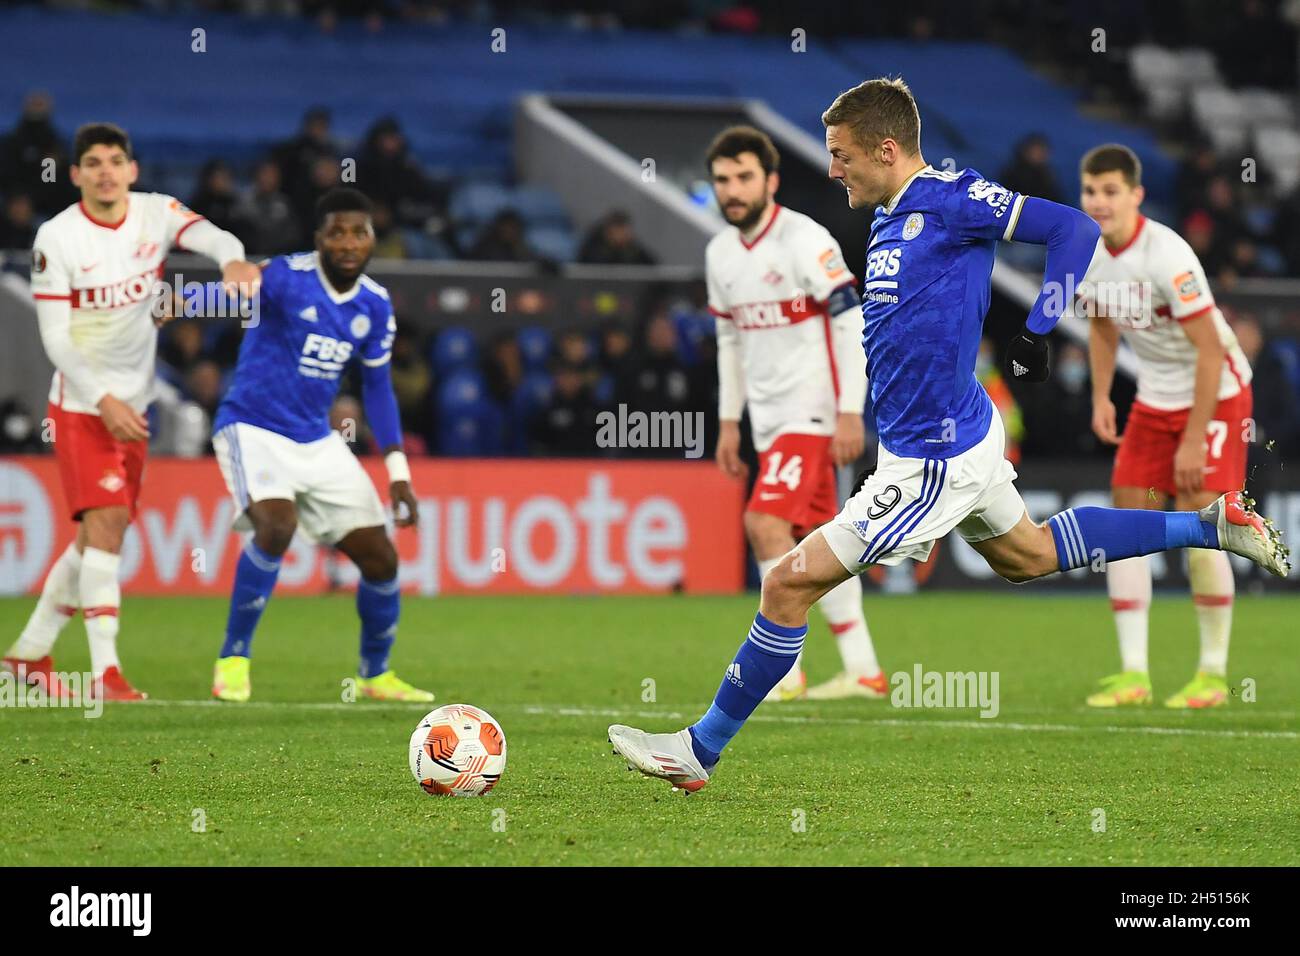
pixel 1028 358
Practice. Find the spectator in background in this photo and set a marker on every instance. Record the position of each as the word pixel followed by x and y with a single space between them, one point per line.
pixel 1194 177
pixel 17 225
pixel 502 240
pixel 1286 231
pixel 1058 414
pixel 23 155
pixel 566 427
pixel 574 347
pixel 181 347
pixel 612 242
pixel 216 199
pixel 267 214
pixel 296 157
pixel 615 351
pixel 1030 170
pixel 388 240
pixel 503 367
pixel 321 178
pixel 412 381
pixel 1222 204
pixel 657 380
pixel 1198 230
pixel 203 386
pixel 1277 403
pixel 388 173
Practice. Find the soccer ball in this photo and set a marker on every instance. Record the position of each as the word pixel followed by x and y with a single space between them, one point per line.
pixel 458 751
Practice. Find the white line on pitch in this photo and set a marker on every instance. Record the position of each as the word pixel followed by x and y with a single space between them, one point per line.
pixel 550 711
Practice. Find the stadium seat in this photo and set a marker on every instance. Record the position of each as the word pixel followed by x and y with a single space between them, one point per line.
pixel 1218 111
pixel 477 202
pixel 469 422
pixel 453 349
pixel 534 346
pixel 540 207
pixel 553 243
pixel 1279 153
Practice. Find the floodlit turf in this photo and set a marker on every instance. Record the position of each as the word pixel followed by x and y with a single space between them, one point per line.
pixel 297 777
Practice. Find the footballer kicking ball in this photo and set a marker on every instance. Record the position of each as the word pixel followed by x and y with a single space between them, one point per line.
pixel 458 751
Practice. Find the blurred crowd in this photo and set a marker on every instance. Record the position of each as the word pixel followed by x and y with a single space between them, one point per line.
pixel 418 215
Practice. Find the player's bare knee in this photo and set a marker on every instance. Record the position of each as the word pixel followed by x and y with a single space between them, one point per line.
pixel 380 564
pixel 788 585
pixel 766 533
pixel 274 534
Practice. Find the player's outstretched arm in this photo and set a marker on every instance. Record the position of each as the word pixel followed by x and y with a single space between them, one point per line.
pixel 226 250
pixel 381 411
pixel 1071 239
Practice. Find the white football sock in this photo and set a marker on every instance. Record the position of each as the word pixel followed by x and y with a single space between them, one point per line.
pixel 1213 587
pixel 55 608
pixel 100 597
pixel 842 607
pixel 1129 584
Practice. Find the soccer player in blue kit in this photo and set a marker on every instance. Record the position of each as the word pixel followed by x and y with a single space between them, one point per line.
pixel 941 464
pixel 284 465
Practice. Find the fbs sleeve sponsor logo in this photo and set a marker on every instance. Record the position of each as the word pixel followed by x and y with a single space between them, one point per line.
pixel 73 909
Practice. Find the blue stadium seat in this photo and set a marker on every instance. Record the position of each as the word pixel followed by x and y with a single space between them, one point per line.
pixel 453 348
pixel 469 423
pixel 540 207
pixel 552 243
pixel 421 245
pixel 534 346
pixel 476 203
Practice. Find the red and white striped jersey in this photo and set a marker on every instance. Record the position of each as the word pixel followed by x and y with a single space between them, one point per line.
pixel 772 301
pixel 1148 288
pixel 107 272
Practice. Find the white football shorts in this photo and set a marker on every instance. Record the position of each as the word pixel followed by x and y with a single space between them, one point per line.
pixel 331 490
pixel 909 503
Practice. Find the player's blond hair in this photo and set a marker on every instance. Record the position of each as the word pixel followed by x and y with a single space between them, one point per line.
pixel 877 110
pixel 1112 158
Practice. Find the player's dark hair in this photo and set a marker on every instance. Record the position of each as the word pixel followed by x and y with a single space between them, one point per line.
pixel 342 199
pixel 99 134
pixel 734 140
pixel 1112 158
pixel 877 110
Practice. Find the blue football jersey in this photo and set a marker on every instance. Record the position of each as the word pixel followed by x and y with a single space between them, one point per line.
pixel 306 334
pixel 924 296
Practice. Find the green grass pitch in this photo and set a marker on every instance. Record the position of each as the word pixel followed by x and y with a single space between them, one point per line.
pixel 298 777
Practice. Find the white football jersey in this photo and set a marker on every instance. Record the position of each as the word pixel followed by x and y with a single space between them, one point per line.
pixel 1147 288
pixel 107 273
pixel 772 294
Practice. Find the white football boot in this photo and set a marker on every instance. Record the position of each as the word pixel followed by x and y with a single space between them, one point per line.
pixel 1247 533
pixel 845 685
pixel 666 756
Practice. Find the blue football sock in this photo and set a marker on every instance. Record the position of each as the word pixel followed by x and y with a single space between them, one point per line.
pixel 764 658
pixel 255 576
pixel 378 604
pixel 1082 534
